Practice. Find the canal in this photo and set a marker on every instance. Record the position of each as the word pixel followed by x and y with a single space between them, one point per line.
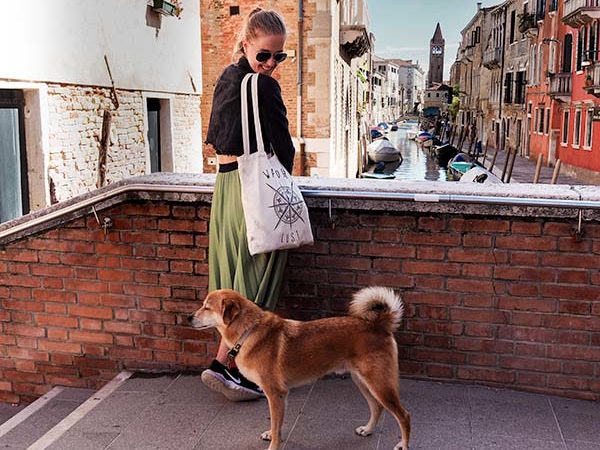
pixel 418 164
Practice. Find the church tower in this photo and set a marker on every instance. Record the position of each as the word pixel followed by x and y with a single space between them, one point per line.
pixel 436 57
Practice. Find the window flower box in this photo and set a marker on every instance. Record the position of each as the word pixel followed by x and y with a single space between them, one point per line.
pixel 166 8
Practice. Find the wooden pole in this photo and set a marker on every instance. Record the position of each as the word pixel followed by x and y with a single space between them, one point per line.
pixel 493 160
pixel 103 150
pixel 487 146
pixel 506 161
pixel 512 164
pixel 556 171
pixel 538 168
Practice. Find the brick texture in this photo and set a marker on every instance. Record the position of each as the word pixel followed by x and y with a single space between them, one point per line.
pixel 488 300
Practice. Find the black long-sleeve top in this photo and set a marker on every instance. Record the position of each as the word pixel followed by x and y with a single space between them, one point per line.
pixel 225 125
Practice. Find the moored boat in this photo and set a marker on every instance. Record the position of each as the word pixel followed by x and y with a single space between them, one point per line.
pixel 382 150
pixel 478 174
pixel 444 153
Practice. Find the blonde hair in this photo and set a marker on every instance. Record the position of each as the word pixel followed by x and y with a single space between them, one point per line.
pixel 265 21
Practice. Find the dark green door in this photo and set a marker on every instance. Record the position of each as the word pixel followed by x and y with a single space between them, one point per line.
pixel 153 105
pixel 14 195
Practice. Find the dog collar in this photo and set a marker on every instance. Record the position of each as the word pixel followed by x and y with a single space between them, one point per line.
pixel 231 354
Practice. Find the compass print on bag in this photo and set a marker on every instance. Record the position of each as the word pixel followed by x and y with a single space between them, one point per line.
pixel 287 205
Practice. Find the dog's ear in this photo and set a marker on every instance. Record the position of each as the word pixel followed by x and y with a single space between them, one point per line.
pixel 229 310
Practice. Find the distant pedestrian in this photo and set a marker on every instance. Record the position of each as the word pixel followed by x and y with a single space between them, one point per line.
pixel 260 49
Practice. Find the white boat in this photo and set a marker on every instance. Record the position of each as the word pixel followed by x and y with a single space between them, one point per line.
pixel 412 133
pixel 382 150
pixel 480 175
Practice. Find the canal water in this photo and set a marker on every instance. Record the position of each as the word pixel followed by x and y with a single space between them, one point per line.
pixel 418 164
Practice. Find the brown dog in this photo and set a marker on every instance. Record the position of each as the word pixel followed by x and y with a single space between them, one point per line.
pixel 279 354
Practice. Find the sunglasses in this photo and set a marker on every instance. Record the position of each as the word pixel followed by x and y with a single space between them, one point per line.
pixel 265 56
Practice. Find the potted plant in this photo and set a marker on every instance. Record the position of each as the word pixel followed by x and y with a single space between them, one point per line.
pixel 167 8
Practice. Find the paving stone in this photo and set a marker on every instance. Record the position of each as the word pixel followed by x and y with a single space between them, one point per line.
pixel 579 420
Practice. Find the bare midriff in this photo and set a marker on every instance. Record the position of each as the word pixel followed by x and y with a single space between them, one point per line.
pixel 226 159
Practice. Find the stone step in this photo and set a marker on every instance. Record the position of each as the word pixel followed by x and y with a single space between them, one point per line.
pixel 32 422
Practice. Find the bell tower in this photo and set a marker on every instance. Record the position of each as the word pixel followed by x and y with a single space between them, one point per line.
pixel 436 57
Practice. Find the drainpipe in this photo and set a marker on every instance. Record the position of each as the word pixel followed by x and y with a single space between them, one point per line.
pixel 502 71
pixel 301 142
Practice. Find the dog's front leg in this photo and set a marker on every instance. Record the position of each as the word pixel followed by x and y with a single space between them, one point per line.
pixel 276 399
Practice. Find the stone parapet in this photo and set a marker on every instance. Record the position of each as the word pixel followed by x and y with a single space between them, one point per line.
pixel 498 289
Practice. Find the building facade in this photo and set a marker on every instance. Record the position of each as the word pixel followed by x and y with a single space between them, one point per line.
pixel 78 109
pixel 541 68
pixel 411 79
pixel 325 82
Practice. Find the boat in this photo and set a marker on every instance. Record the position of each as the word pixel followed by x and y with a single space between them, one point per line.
pixel 379 176
pixel 444 153
pixel 459 165
pixel 382 150
pixel 412 133
pixel 480 175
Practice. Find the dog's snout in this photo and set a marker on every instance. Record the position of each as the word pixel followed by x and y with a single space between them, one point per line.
pixel 190 318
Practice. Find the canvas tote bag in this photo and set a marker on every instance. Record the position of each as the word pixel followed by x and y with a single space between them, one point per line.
pixel 275 212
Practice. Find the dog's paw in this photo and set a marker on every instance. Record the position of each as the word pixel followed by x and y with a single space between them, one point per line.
pixel 266 436
pixel 399 446
pixel 363 431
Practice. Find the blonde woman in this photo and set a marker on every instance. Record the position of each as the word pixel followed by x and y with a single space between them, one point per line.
pixel 260 49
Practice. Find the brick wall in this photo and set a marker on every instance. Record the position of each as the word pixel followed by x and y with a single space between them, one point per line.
pixel 75 129
pixel 219 34
pixel 490 299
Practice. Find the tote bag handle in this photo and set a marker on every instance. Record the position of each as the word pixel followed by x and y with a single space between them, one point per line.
pixel 245 125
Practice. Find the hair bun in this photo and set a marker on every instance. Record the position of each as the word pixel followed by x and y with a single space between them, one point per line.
pixel 254 11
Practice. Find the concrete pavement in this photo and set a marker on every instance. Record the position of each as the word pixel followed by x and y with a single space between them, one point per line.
pixel 177 412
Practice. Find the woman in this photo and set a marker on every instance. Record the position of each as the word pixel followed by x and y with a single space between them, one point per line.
pixel 260 49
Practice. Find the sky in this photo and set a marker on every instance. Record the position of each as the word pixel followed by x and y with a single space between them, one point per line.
pixel 403 28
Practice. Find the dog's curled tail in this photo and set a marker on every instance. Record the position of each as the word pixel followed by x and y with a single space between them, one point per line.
pixel 379 305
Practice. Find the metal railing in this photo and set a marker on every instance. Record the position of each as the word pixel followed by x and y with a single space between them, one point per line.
pixel 59 211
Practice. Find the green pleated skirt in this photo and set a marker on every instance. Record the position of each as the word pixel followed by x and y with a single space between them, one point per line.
pixel 230 265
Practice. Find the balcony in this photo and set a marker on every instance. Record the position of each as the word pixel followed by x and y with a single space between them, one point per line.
pixel 592 82
pixel 560 87
pixel 528 24
pixel 580 12
pixel 492 59
pixel 354 41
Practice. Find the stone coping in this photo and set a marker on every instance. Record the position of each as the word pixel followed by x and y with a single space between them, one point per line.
pixel 514 199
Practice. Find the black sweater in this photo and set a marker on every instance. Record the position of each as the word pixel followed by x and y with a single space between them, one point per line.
pixel 225 126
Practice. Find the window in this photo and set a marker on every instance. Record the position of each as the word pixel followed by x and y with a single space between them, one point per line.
pixel 579 50
pixel 533 65
pixel 14 193
pixel 536 119
pixel 547 126
pixel 565 128
pixel 541 122
pixel 508 88
pixel 160 145
pixel 589 127
pixel 577 130
pixel 567 53
pixel 513 19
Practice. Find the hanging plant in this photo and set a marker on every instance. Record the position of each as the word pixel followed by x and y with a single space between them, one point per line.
pixel 167 8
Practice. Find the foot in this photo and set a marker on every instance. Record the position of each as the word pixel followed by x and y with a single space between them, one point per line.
pixel 363 431
pixel 230 382
pixel 266 436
